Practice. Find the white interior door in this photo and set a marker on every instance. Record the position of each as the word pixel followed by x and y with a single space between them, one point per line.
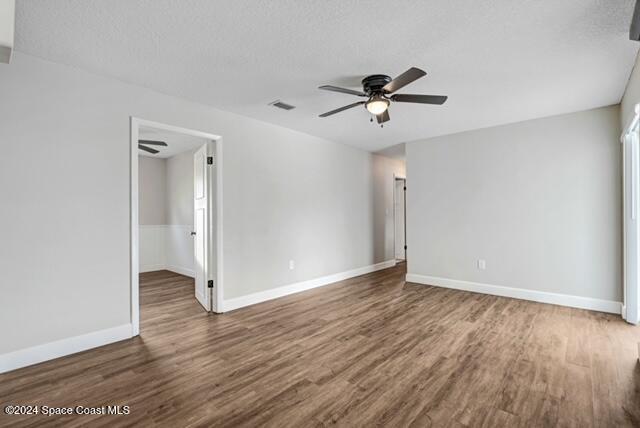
pixel 203 200
pixel 399 218
pixel 631 230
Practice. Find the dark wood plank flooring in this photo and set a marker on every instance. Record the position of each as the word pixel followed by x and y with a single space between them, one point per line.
pixel 371 350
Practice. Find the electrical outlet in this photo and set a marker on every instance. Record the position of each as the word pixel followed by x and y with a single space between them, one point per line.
pixel 482 264
pixel 292 264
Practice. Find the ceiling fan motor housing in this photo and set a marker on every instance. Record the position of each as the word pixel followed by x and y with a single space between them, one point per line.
pixel 373 84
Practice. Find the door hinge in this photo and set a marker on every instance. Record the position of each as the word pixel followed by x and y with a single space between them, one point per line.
pixel 405 247
pixel 209 160
pixel 210 283
pixel 405 188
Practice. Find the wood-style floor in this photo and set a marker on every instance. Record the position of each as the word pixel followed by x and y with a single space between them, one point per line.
pixel 367 351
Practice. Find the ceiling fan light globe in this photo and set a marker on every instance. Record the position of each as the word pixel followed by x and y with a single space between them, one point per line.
pixel 377 106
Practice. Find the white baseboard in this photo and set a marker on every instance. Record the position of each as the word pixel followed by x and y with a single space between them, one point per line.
pixel 60 348
pixel 181 271
pixel 151 268
pixel 520 293
pixel 176 269
pixel 274 293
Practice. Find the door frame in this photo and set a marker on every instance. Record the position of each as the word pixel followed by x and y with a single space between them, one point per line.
pixel 629 219
pixel 395 238
pixel 134 231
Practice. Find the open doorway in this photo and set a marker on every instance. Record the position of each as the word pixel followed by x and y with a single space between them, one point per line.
pixel 176 220
pixel 400 218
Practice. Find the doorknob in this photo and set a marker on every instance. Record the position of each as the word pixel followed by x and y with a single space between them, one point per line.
pixel 193 234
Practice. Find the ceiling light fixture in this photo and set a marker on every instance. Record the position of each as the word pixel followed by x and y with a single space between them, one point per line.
pixel 377 104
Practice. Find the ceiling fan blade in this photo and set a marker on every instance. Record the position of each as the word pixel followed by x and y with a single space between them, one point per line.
pixel 342 90
pixel 422 99
pixel 148 149
pixel 383 117
pixel 152 143
pixel 338 110
pixel 403 80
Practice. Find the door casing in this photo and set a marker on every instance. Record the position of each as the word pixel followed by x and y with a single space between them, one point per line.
pixel 134 233
pixel 630 140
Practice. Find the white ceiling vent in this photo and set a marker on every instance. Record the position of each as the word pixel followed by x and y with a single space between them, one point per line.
pixel 280 104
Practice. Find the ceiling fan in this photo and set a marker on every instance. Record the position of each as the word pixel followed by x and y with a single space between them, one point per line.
pixel 379 89
pixel 142 145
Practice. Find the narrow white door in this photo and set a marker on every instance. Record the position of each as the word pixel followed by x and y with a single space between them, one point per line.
pixel 631 230
pixel 203 167
pixel 399 218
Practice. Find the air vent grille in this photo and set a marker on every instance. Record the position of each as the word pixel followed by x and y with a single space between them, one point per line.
pixel 282 105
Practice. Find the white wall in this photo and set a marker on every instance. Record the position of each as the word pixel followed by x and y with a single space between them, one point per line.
pixel 178 241
pixel 166 247
pixel 152 206
pixel 152 190
pixel 180 189
pixel 152 254
pixel 540 201
pixel 631 96
pixel 64 136
pixel 166 213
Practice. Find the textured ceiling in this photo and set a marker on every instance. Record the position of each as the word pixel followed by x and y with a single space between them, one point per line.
pixel 397 151
pixel 499 61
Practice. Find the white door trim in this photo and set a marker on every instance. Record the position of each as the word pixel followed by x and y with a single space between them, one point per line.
pixel 135 124
pixel 629 140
